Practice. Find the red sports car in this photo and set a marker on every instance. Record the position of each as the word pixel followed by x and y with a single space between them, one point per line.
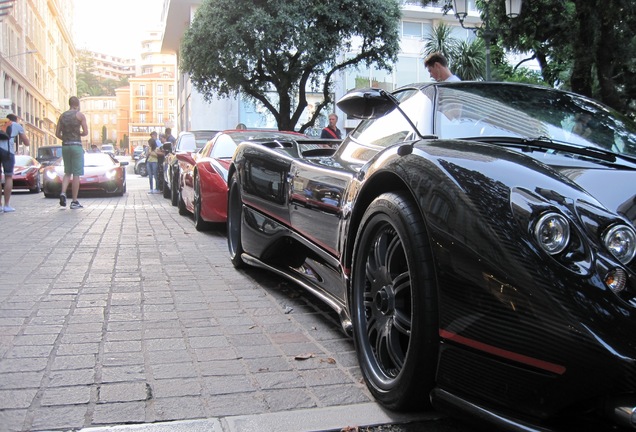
pixel 102 174
pixel 203 175
pixel 26 174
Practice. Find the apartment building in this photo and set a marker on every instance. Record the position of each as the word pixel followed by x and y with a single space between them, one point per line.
pixel 106 66
pixel 101 119
pixel 37 65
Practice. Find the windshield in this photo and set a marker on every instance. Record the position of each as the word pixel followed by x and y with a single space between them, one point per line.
pixel 468 111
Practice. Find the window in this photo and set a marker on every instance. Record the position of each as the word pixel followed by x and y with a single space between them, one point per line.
pixel 160 89
pixel 170 89
pixel 142 90
pixel 160 103
pixel 142 118
pixel 412 29
pixel 142 104
pixel 160 118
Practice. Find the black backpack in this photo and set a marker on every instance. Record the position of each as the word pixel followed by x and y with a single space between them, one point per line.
pixel 5 135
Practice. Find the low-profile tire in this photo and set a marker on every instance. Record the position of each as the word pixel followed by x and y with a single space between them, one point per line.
pixel 174 190
pixel 394 303
pixel 181 205
pixel 199 223
pixel 38 186
pixel 166 190
pixel 234 222
pixel 142 170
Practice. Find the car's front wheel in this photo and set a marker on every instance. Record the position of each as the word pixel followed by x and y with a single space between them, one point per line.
pixel 38 185
pixel 141 170
pixel 199 223
pixel 394 303
pixel 174 190
pixel 234 221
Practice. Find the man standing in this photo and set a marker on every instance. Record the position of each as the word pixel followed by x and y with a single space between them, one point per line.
pixel 331 131
pixel 17 131
pixel 71 126
pixel 7 163
pixel 169 138
pixel 437 66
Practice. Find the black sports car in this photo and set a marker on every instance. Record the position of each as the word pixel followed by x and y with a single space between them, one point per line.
pixel 477 240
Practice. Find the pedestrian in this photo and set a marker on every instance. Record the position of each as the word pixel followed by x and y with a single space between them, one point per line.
pixel 331 131
pixel 169 138
pixel 71 127
pixel 240 126
pixel 151 163
pixel 7 163
pixel 17 133
pixel 437 66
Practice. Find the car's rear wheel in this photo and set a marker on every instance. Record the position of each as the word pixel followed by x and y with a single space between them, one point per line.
pixel 234 222
pixel 181 205
pixel 141 169
pixel 394 303
pixel 199 223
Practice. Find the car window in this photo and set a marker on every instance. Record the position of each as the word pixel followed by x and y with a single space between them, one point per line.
pixel 187 143
pixel 224 147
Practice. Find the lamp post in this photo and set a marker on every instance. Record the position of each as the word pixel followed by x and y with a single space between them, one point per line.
pixel 513 9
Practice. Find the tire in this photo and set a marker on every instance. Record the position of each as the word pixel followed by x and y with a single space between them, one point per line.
pixel 199 223
pixel 142 170
pixel 174 190
pixel 394 304
pixel 166 189
pixel 181 205
pixel 234 222
pixel 38 186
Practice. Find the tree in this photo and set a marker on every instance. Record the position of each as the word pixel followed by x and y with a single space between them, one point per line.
pixel 275 51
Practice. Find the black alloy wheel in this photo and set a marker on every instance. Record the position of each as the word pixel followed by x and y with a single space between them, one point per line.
pixel 394 303
pixel 199 223
pixel 234 222
pixel 38 185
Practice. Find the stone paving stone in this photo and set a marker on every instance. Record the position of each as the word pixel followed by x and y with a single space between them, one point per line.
pixel 163 388
pixel 289 399
pixel 226 384
pixel 21 380
pixel 229 405
pixel 74 395
pixel 17 398
pixel 68 417
pixel 173 370
pixel 61 378
pixel 122 359
pixel 23 364
pixel 12 420
pixel 338 395
pixel 123 373
pixel 189 407
pixel 119 413
pixel 124 392
pixel 82 361
pixel 122 346
pixel 74 348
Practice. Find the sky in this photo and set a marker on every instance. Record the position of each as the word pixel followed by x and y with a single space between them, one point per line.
pixel 114 27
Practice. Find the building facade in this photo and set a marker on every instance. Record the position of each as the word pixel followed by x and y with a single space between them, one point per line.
pixel 101 119
pixel 194 113
pixel 37 65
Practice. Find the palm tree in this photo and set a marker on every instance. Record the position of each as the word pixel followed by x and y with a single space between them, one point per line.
pixel 440 39
pixel 470 60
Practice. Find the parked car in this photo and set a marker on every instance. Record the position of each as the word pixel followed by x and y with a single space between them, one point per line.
pixel 477 240
pixel 137 152
pixel 140 167
pixel 203 175
pixel 187 142
pixel 102 174
pixel 26 174
pixel 47 155
pixel 108 148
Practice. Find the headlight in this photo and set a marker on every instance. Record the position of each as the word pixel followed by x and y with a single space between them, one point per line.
pixel 111 174
pixel 552 232
pixel 51 174
pixel 620 240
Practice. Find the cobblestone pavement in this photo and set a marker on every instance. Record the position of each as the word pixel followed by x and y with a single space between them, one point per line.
pixel 122 313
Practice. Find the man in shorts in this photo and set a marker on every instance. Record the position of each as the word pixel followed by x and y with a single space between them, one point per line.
pixel 7 163
pixel 71 126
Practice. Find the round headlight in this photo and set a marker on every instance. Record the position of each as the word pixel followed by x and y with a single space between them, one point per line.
pixel 552 232
pixel 620 240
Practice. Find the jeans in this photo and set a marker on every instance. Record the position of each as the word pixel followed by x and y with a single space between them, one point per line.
pixel 151 167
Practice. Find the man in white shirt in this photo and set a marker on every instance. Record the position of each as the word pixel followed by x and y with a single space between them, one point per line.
pixel 437 66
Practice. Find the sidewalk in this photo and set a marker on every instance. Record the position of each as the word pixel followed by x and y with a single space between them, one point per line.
pixel 121 313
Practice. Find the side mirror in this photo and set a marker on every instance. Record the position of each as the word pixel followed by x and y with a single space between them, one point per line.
pixel 368 103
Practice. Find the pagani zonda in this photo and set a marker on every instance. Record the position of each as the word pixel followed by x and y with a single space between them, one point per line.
pixel 478 241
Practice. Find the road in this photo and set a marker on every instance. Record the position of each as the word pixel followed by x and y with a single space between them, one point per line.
pixel 121 316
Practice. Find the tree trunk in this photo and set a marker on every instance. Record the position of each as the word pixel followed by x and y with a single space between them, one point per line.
pixel 584 47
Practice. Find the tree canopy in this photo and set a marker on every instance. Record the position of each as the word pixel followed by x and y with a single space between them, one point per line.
pixel 275 51
pixel 586 46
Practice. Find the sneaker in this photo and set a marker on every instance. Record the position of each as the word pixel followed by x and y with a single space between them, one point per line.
pixel 150 192
pixel 8 209
pixel 63 200
pixel 157 191
pixel 76 205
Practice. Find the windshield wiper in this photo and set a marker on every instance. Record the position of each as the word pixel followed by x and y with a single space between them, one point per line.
pixel 546 143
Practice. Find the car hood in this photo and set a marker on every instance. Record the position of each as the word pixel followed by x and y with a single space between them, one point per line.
pixel 602 185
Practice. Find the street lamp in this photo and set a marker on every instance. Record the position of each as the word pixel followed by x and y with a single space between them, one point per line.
pixel 513 9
